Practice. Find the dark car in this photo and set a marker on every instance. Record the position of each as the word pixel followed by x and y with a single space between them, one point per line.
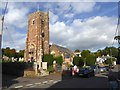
pixel 95 68
pixel 86 72
pixel 111 66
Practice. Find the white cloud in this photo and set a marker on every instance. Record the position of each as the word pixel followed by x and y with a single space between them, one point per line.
pixel 14 39
pixel 69 9
pixel 92 33
pixel 16 15
pixel 70 15
pixel 52 17
pixel 83 7
pixel 15 21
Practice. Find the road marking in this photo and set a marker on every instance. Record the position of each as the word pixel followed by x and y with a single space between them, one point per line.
pixel 38 83
pixel 51 80
pixel 55 81
pixel 29 85
pixel 45 82
pixel 19 86
pixel 58 80
pixel 32 86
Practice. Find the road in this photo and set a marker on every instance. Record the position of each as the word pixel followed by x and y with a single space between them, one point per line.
pixel 59 81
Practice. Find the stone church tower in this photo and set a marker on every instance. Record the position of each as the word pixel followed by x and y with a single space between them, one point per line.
pixel 37 43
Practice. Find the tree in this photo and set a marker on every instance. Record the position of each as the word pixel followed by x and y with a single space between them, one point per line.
pixel 59 60
pixel 81 62
pixel 21 53
pixel 77 50
pixel 48 58
pixel 76 60
pixel 108 61
pixel 98 53
pixel 90 59
pixel 85 53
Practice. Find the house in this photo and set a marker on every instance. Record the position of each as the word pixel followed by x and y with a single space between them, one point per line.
pixel 77 53
pixel 57 50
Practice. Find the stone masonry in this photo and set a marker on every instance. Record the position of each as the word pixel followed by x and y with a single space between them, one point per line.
pixel 37 43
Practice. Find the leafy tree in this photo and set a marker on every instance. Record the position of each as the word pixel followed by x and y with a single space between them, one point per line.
pixel 85 53
pixel 48 58
pixel 21 53
pixel 12 52
pixel 77 50
pixel 98 53
pixel 108 61
pixel 90 59
pixel 76 60
pixel 59 60
pixel 81 62
pixel 112 51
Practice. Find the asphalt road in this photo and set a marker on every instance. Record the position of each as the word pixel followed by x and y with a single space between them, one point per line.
pixel 58 81
pixel 99 81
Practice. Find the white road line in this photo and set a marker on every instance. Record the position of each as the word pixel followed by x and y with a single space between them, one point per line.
pixel 19 86
pixel 51 80
pixel 55 81
pixel 58 80
pixel 38 83
pixel 45 82
pixel 33 86
pixel 29 85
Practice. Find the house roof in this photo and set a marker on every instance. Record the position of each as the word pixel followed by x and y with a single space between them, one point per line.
pixel 63 49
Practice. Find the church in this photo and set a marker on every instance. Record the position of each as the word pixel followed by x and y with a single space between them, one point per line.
pixel 37 42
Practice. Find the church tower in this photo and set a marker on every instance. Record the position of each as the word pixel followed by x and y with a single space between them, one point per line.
pixel 37 43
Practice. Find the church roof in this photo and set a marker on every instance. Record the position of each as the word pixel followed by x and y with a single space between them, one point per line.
pixel 63 49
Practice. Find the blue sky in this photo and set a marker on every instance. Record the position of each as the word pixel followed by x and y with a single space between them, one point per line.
pixel 75 25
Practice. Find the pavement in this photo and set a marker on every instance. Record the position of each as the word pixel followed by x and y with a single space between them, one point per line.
pixel 23 82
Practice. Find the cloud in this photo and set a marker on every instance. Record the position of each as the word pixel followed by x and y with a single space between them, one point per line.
pixel 70 15
pixel 16 15
pixel 13 39
pixel 70 8
pixel 82 7
pixel 53 17
pixel 16 22
pixel 91 33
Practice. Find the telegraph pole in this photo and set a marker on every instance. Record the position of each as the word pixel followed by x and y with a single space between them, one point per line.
pixel 118 36
pixel 2 30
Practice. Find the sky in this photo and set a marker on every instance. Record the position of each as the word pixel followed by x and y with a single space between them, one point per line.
pixel 75 25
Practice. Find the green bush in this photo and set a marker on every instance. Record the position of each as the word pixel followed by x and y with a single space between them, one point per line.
pixel 59 60
pixel 48 58
pixel 50 69
pixel 108 61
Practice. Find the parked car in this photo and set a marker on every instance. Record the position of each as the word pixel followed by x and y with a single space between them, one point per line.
pixel 102 69
pixel 86 72
pixel 111 66
pixel 107 68
pixel 95 68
